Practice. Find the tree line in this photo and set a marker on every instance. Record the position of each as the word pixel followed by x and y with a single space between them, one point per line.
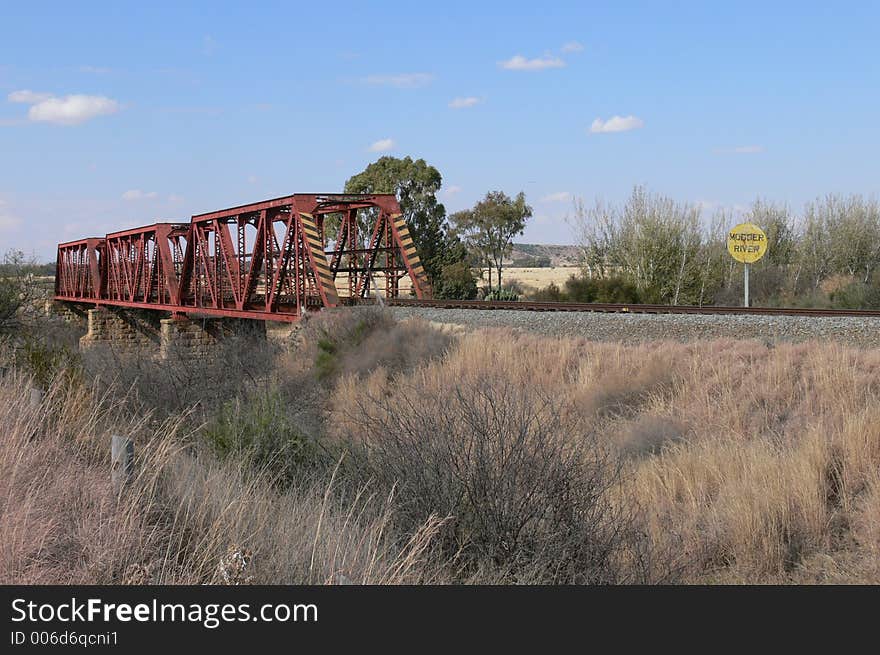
pixel 669 252
pixel 649 248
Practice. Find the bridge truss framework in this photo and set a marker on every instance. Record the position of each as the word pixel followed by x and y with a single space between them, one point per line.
pixel 266 260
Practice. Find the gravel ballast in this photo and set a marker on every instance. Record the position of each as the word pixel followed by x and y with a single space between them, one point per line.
pixel 636 328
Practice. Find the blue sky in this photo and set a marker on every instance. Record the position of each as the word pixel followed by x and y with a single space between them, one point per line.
pixel 120 114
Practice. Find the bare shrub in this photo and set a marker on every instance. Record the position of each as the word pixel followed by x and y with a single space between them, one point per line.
pixel 18 287
pixel 55 332
pixel 528 495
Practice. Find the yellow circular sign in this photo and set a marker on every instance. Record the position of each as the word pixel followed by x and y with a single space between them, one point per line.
pixel 746 243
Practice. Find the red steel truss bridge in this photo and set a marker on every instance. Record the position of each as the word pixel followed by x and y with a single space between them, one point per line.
pixel 267 260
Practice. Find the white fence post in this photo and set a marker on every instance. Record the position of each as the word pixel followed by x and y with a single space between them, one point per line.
pixel 36 397
pixel 121 461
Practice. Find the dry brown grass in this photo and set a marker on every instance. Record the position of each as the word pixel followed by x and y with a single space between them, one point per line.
pixel 184 515
pixel 741 462
pixel 531 279
pixel 752 464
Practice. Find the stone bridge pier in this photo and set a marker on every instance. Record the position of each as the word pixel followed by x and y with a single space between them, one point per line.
pixel 148 334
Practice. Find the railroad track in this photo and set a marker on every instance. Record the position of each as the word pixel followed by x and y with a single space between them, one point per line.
pixel 612 308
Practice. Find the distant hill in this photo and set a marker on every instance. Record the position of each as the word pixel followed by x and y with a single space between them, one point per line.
pixel 558 255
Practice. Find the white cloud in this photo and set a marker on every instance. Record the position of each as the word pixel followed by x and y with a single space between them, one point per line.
pixel 560 196
pixel 137 194
pixel 68 110
pixel 520 63
pixel 452 190
pixel 747 150
pixel 209 45
pixel 95 70
pixel 252 179
pixel 175 199
pixel 616 124
pixel 464 103
pixel 28 97
pixel 399 80
pixel 73 109
pixel 572 46
pixel 382 145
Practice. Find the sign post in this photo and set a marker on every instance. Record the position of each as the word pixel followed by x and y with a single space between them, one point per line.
pixel 745 285
pixel 746 243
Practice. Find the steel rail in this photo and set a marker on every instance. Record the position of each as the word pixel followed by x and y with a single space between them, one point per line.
pixel 629 308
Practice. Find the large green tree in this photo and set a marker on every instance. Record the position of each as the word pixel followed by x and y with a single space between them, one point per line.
pixel 415 183
pixel 489 227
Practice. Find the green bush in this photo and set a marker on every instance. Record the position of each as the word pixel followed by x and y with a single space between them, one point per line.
pixel 505 294
pixel 856 295
pixel 45 361
pixel 853 295
pixel 605 290
pixel 338 337
pixel 261 430
pixel 579 288
pixel 326 361
pixel 457 282
pixel 550 293
pixel 532 262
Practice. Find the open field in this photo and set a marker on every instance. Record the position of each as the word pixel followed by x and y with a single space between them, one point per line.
pixel 537 278
pixel 529 279
pixel 373 450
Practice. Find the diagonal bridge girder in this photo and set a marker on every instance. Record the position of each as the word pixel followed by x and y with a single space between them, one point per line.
pixel 266 260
